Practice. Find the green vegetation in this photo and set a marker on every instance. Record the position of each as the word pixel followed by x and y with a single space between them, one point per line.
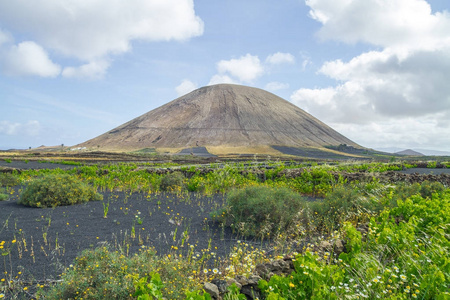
pixel 6 180
pixel 57 190
pixel 106 274
pixel 62 162
pixel 260 210
pixel 354 203
pixel 172 182
pixel 432 164
pixel 395 235
pixel 3 196
pixel 396 259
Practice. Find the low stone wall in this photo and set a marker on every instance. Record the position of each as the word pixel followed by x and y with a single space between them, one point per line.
pixel 388 177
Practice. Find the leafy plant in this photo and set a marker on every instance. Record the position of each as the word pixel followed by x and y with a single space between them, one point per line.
pixel 402 256
pixel 432 164
pixel 148 290
pixel 315 182
pixel 172 182
pixel 105 209
pixel 261 210
pixel 196 184
pixel 234 293
pixel 57 190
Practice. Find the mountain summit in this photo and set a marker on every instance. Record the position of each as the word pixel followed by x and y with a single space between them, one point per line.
pixel 222 115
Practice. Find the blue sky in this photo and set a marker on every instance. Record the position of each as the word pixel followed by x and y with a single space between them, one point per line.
pixel 375 70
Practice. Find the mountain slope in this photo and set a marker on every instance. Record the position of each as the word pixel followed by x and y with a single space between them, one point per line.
pixel 220 115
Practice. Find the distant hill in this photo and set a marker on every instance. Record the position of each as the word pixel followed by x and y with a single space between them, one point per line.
pixel 409 152
pixel 423 151
pixel 434 152
pixel 222 115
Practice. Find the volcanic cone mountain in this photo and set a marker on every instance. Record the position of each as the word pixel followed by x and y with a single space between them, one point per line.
pixel 222 115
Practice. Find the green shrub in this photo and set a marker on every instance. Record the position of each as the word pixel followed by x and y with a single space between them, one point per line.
pixel 344 203
pixel 196 184
pixel 315 182
pixel 432 164
pixel 261 210
pixel 3 196
pixel 404 191
pixel 172 182
pixel 7 179
pixel 427 188
pixel 57 190
pixel 103 273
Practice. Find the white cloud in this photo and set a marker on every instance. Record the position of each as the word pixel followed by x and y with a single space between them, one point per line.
pixel 246 68
pixel 387 23
pixel 31 128
pixel 218 79
pixel 186 86
pixel 4 37
pixel 306 61
pixel 275 86
pixel 280 58
pixel 27 58
pixel 91 70
pixel 92 31
pixel 398 92
pixel 404 133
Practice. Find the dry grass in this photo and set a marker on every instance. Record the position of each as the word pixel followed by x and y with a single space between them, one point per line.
pixel 230 150
pixel 8 154
pixel 168 150
pixel 337 152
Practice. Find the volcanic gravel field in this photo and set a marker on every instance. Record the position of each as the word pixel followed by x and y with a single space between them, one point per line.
pixel 47 240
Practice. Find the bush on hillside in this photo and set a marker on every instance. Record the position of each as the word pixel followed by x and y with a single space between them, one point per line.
pixel 172 182
pixel 58 190
pixel 261 210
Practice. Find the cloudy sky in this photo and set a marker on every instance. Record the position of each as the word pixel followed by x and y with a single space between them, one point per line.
pixel 377 71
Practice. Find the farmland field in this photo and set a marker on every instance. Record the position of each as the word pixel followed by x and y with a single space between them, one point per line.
pixel 166 229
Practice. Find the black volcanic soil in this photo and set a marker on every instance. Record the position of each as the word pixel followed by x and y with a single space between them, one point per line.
pixel 34 165
pixel 71 229
pixel 426 171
